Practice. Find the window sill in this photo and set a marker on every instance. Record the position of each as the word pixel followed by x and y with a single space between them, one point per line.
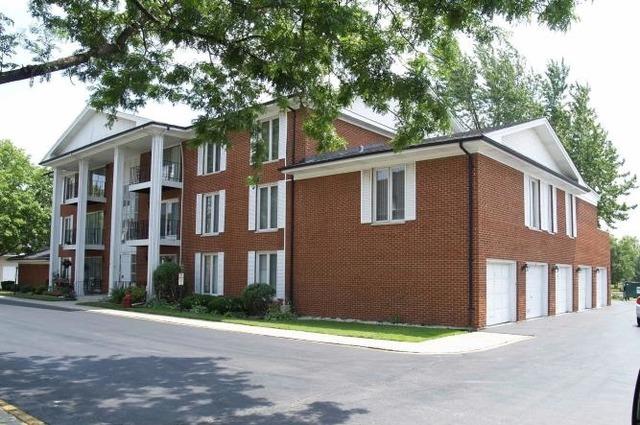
pixel 267 230
pixel 387 223
pixel 211 173
pixel 210 234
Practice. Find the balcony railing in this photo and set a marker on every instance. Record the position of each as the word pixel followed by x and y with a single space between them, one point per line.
pixel 138 174
pixel 136 230
pixel 171 171
pixel 94 235
pixel 169 228
pixel 69 237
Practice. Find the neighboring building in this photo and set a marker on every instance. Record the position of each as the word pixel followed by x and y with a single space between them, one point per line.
pixel 32 270
pixel 8 268
pixel 364 233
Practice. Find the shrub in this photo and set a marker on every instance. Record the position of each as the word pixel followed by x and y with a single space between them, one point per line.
pixel 24 289
pixel 39 290
pixel 236 305
pixel 165 280
pixel 278 313
pixel 199 309
pixel 188 302
pixel 117 295
pixel 218 305
pixel 8 285
pixel 256 298
pixel 138 294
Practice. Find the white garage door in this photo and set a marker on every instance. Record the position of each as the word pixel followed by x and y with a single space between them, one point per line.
pixel 584 288
pixel 501 292
pixel 601 287
pixel 564 290
pixel 537 290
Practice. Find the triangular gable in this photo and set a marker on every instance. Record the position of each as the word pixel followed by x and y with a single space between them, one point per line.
pixel 90 126
pixel 537 140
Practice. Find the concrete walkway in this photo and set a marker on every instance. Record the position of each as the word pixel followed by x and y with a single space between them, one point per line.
pixel 455 344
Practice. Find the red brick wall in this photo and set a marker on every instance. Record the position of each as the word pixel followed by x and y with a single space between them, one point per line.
pixel 33 275
pixel 237 240
pixel 415 272
pixel 501 234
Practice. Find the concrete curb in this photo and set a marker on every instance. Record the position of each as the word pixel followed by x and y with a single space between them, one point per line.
pixel 19 414
pixel 455 344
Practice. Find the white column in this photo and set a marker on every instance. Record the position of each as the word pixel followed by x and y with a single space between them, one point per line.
pixel 155 198
pixel 115 237
pixel 81 221
pixel 56 200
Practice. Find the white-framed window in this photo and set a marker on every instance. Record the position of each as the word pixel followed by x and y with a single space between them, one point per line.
pixel 209 273
pixel 270 136
pixel 267 211
pixel 93 269
pixel 70 184
pixel 170 219
pixel 97 182
pixel 212 157
pixel 540 205
pixel 68 235
pixel 94 228
pixel 267 206
pixel 210 213
pixel 168 258
pixel 267 267
pixel 571 215
pixel 65 270
pixel 389 194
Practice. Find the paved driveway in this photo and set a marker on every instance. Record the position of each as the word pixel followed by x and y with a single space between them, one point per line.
pixel 74 367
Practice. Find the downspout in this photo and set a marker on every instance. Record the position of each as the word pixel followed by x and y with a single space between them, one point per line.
pixel 470 224
pixel 293 205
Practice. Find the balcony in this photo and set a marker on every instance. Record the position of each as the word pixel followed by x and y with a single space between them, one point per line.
pixel 136 232
pixel 93 238
pixel 140 177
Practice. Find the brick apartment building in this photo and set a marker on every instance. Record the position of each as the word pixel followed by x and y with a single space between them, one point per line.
pixel 471 229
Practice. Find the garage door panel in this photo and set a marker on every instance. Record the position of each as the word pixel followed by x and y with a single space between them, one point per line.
pixel 536 291
pixel 500 293
pixel 564 290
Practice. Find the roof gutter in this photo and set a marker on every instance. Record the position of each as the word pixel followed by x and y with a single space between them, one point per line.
pixel 470 233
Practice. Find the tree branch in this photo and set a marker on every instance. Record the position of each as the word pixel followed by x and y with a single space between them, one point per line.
pixel 37 70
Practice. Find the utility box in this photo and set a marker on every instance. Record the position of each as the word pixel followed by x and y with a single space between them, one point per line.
pixel 631 290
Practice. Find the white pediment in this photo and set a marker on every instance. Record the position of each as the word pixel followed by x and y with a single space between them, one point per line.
pixel 89 127
pixel 537 141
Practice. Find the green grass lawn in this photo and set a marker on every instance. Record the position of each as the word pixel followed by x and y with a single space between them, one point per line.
pixel 331 327
pixel 30 296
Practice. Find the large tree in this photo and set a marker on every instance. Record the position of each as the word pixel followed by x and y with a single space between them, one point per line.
pixel 494 86
pixel 25 202
pixel 625 254
pixel 220 56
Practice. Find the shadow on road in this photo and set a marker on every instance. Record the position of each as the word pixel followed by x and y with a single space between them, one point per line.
pixel 36 305
pixel 148 390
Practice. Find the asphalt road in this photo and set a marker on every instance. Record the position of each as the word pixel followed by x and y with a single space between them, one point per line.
pixel 75 367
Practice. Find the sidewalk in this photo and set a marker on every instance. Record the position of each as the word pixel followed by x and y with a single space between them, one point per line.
pixel 455 344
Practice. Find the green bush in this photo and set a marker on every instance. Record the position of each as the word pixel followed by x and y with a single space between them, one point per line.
pixel 190 301
pixel 236 305
pixel 39 290
pixel 8 285
pixel 25 289
pixel 165 280
pixel 257 298
pixel 278 313
pixel 218 305
pixel 117 295
pixel 199 309
pixel 138 294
